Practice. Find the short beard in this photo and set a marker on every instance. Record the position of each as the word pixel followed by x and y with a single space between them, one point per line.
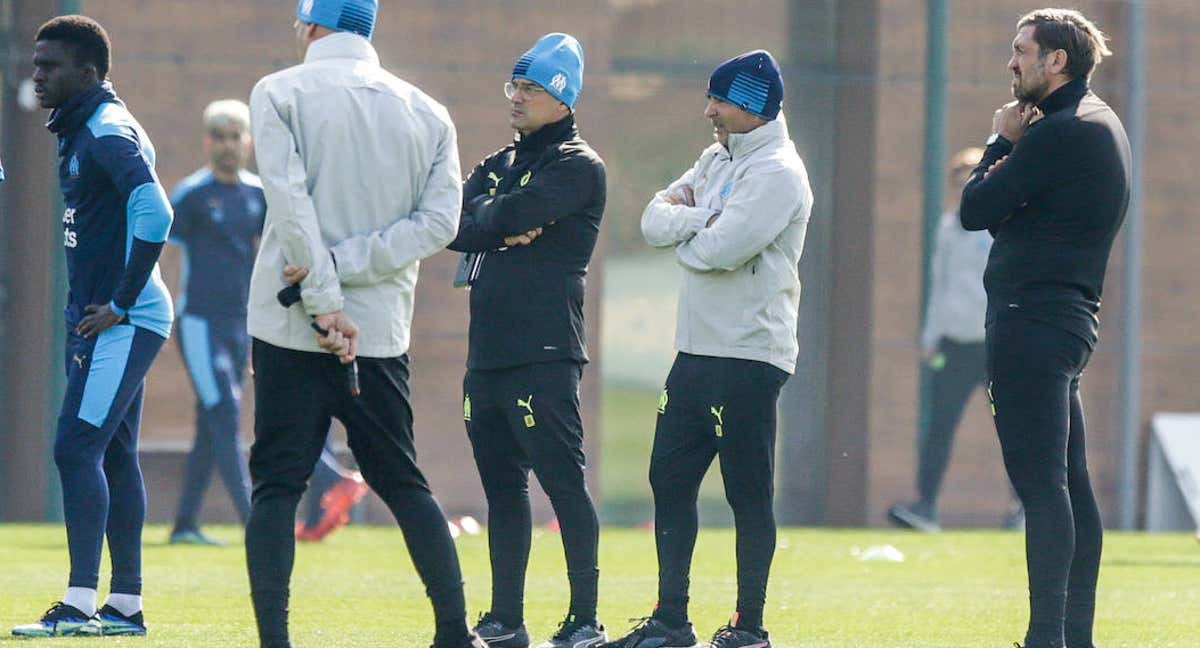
pixel 1035 94
pixel 1030 95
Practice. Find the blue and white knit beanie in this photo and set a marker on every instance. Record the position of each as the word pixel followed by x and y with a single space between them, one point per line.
pixel 751 81
pixel 354 16
pixel 556 63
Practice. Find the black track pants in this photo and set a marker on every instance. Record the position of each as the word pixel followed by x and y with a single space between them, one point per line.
pixel 715 407
pixel 297 393
pixel 1034 371
pixel 950 389
pixel 521 419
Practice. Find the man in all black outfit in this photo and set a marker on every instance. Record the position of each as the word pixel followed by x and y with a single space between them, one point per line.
pixel 1052 188
pixel 531 215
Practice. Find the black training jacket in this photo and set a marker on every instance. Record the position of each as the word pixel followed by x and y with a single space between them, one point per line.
pixel 1054 207
pixel 527 301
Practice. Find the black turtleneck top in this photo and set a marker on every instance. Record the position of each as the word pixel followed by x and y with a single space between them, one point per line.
pixel 1054 207
pixel 527 301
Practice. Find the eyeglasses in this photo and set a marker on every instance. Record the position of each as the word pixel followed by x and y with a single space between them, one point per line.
pixel 527 90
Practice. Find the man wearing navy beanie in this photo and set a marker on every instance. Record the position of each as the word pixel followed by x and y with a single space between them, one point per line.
pixel 736 221
pixel 361 176
pixel 530 218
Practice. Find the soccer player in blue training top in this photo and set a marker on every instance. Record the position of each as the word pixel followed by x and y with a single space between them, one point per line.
pixel 118 316
pixel 219 214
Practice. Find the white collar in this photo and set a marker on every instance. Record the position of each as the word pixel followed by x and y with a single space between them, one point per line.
pixel 341 45
pixel 741 144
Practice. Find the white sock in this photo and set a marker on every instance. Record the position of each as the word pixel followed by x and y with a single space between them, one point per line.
pixel 127 604
pixel 81 598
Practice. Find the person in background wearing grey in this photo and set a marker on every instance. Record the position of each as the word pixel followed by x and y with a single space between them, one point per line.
pixel 952 348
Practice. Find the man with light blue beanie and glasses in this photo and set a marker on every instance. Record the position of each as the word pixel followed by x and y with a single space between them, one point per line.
pixel 361 176
pixel 530 219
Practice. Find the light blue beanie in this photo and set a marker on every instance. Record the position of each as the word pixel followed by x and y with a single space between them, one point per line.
pixel 556 63
pixel 355 16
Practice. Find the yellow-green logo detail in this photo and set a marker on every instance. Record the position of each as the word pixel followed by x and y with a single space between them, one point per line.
pixel 467 408
pixel 717 412
pixel 495 182
pixel 662 402
pixel 991 399
pixel 525 178
pixel 527 404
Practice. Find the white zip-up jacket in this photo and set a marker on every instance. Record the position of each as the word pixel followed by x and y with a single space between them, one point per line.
pixel 740 295
pixel 361 175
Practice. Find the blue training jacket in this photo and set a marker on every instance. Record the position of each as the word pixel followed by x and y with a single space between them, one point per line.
pixel 217 227
pixel 117 215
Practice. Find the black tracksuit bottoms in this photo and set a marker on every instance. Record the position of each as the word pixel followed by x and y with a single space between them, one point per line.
pixel 950 389
pixel 297 394
pixel 1033 371
pixel 725 408
pixel 525 418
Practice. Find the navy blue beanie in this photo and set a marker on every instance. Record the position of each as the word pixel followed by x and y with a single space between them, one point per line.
pixel 751 81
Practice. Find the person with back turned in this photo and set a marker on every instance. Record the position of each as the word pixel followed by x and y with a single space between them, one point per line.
pixel 1052 188
pixel 361 175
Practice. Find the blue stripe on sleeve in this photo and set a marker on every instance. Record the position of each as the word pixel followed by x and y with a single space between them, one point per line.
pixel 197 180
pixel 109 359
pixel 185 272
pixel 114 120
pixel 197 353
pixel 149 213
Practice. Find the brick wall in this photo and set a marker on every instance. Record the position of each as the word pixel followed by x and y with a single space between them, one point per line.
pixel 980 37
pixel 170 60
pixel 640 109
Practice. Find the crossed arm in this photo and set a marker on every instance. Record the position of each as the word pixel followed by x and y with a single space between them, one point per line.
pixel 761 204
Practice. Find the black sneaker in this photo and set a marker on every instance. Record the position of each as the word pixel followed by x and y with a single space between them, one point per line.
pixel 574 633
pixel 495 634
pixel 473 641
pixel 731 637
pixel 61 620
pixel 655 633
pixel 109 622
pixel 907 516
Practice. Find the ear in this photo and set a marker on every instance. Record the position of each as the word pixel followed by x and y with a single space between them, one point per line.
pixel 89 74
pixel 1058 61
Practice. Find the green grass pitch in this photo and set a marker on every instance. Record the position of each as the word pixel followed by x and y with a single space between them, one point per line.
pixel 358 588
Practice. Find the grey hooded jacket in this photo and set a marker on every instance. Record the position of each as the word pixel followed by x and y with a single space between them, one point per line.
pixel 741 286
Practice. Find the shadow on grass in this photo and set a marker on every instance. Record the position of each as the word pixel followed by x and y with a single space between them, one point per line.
pixel 1169 563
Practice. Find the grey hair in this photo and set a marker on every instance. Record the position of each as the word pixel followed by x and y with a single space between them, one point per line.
pixel 227 112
